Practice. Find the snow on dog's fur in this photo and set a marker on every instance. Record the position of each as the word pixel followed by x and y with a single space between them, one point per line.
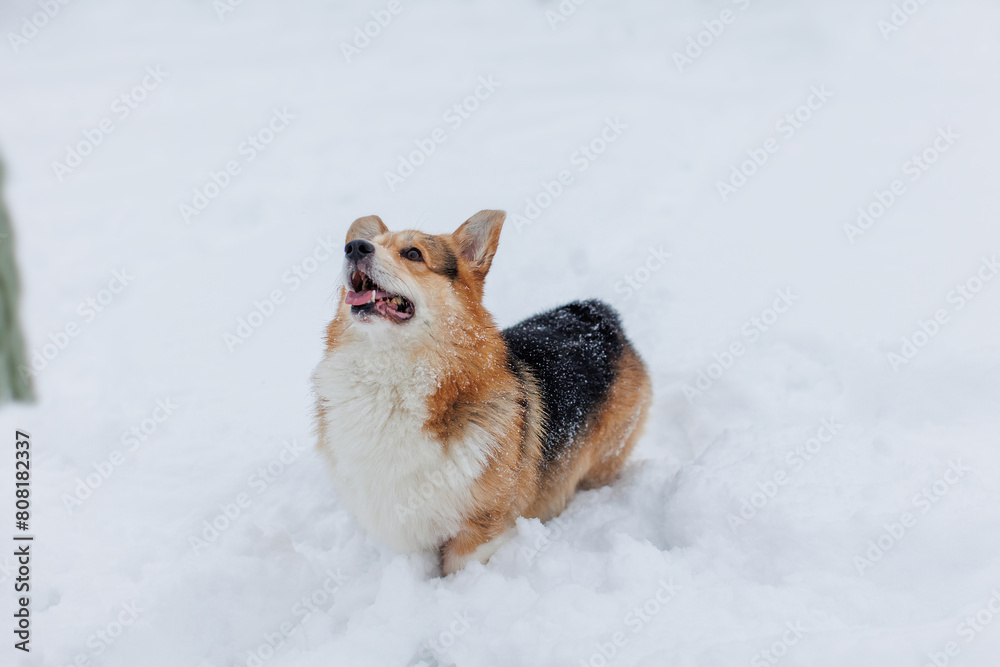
pixel 441 429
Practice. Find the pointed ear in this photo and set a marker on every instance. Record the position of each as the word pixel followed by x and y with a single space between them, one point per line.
pixel 478 237
pixel 366 228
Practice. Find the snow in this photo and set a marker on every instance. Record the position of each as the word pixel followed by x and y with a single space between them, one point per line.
pixel 664 540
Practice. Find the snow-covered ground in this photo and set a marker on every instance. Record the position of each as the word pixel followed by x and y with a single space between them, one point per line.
pixel 825 495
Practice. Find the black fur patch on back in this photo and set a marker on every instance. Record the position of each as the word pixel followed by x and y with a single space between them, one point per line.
pixel 573 352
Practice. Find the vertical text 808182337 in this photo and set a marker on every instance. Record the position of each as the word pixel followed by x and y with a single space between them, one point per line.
pixel 22 541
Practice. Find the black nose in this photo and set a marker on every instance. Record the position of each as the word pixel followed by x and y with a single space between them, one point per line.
pixel 358 249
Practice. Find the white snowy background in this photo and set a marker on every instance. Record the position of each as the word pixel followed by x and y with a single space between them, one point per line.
pixel 732 539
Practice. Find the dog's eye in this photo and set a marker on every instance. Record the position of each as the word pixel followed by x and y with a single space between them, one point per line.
pixel 413 254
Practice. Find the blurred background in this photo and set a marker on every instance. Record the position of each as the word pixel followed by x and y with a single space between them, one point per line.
pixel 794 206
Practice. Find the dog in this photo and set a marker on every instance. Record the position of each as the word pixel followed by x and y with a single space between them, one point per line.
pixel 440 429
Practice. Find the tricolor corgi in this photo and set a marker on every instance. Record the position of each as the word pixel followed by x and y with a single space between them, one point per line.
pixel 442 429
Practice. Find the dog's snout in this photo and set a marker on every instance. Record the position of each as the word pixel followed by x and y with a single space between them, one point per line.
pixel 358 249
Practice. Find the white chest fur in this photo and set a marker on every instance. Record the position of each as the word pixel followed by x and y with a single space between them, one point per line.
pixel 399 484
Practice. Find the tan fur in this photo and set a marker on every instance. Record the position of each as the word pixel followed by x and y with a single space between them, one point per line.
pixel 475 386
pixel 600 451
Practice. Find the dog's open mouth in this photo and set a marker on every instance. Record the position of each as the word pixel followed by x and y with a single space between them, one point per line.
pixel 365 296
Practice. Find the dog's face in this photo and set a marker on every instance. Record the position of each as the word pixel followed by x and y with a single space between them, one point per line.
pixel 403 279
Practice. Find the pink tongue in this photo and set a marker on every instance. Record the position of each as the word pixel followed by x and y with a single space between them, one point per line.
pixel 358 298
pixel 386 308
pixel 381 307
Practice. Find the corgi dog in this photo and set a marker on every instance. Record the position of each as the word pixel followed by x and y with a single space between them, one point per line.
pixel 441 429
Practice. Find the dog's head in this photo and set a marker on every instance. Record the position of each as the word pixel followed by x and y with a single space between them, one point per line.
pixel 402 279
